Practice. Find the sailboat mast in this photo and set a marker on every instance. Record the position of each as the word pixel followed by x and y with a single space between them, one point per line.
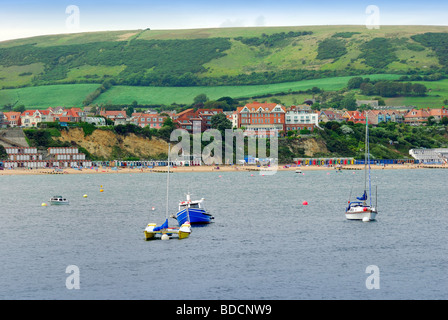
pixel 366 147
pixel 368 157
pixel 168 181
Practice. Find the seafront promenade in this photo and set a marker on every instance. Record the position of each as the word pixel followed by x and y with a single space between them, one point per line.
pixel 136 170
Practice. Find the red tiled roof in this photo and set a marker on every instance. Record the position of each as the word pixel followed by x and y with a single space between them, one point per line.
pixel 256 105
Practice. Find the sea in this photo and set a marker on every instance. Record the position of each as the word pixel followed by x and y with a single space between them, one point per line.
pixel 264 243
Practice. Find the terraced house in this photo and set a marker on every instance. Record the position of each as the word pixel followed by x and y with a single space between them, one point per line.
pixel 259 118
pixel 152 120
pixel 421 116
pixel 378 116
pixel 12 118
pixel 417 116
pixel 199 120
pixel 31 118
pixel 298 118
pixel 118 117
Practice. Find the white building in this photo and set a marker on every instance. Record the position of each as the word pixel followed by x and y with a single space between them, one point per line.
pixel 430 156
pixel 298 119
pixel 97 121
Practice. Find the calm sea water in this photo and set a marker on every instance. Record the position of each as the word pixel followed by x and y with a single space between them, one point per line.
pixel 264 244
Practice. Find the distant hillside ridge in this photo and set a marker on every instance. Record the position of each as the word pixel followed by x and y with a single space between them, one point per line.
pixel 223 56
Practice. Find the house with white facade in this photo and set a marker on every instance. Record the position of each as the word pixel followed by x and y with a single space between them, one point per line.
pixel 299 119
pixel 31 118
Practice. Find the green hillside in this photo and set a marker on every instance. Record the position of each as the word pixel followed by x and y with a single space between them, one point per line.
pixel 237 62
pixel 185 95
pixel 227 56
pixel 47 96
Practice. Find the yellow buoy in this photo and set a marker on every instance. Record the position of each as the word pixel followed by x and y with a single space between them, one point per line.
pixel 85 196
pixel 101 190
pixel 43 204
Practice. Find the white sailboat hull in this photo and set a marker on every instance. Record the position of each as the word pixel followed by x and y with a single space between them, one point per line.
pixel 358 213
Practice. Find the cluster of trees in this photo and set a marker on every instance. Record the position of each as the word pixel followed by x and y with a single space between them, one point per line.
pixel 378 53
pixel 437 42
pixel 335 100
pixel 271 40
pixel 95 94
pixel 386 88
pixel 345 35
pixel 331 48
pixel 393 89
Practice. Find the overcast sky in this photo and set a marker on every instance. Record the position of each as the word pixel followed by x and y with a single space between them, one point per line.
pixel 25 18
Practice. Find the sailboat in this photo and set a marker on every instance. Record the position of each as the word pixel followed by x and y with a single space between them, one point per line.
pixel 363 209
pixel 152 231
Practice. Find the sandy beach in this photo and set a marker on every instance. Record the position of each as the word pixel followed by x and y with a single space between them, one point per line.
pixel 108 170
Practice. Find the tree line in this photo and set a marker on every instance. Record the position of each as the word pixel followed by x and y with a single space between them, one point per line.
pixel 386 88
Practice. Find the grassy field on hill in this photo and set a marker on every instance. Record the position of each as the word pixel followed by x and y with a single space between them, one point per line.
pixel 72 95
pixel 47 96
pixel 185 95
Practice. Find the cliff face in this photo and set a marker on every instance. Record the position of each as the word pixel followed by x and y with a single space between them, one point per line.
pixel 313 146
pixel 106 144
pixel 304 147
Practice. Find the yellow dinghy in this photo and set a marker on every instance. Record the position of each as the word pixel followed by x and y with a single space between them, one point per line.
pixel 164 232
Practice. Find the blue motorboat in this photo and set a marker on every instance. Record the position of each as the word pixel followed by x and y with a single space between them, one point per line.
pixel 193 211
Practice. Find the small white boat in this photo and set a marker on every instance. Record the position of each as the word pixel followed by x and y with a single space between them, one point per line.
pixel 298 171
pixel 361 209
pixel 58 200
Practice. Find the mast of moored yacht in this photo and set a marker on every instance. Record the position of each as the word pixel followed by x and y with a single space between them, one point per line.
pixel 366 151
pixel 368 159
pixel 168 182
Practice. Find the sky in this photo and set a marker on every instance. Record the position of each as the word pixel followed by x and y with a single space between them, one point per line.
pixel 26 18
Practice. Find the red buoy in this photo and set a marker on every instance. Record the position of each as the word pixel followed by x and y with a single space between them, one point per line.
pixel 305 203
pixel 365 209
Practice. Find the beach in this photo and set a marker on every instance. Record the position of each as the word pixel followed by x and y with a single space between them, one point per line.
pixel 248 168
